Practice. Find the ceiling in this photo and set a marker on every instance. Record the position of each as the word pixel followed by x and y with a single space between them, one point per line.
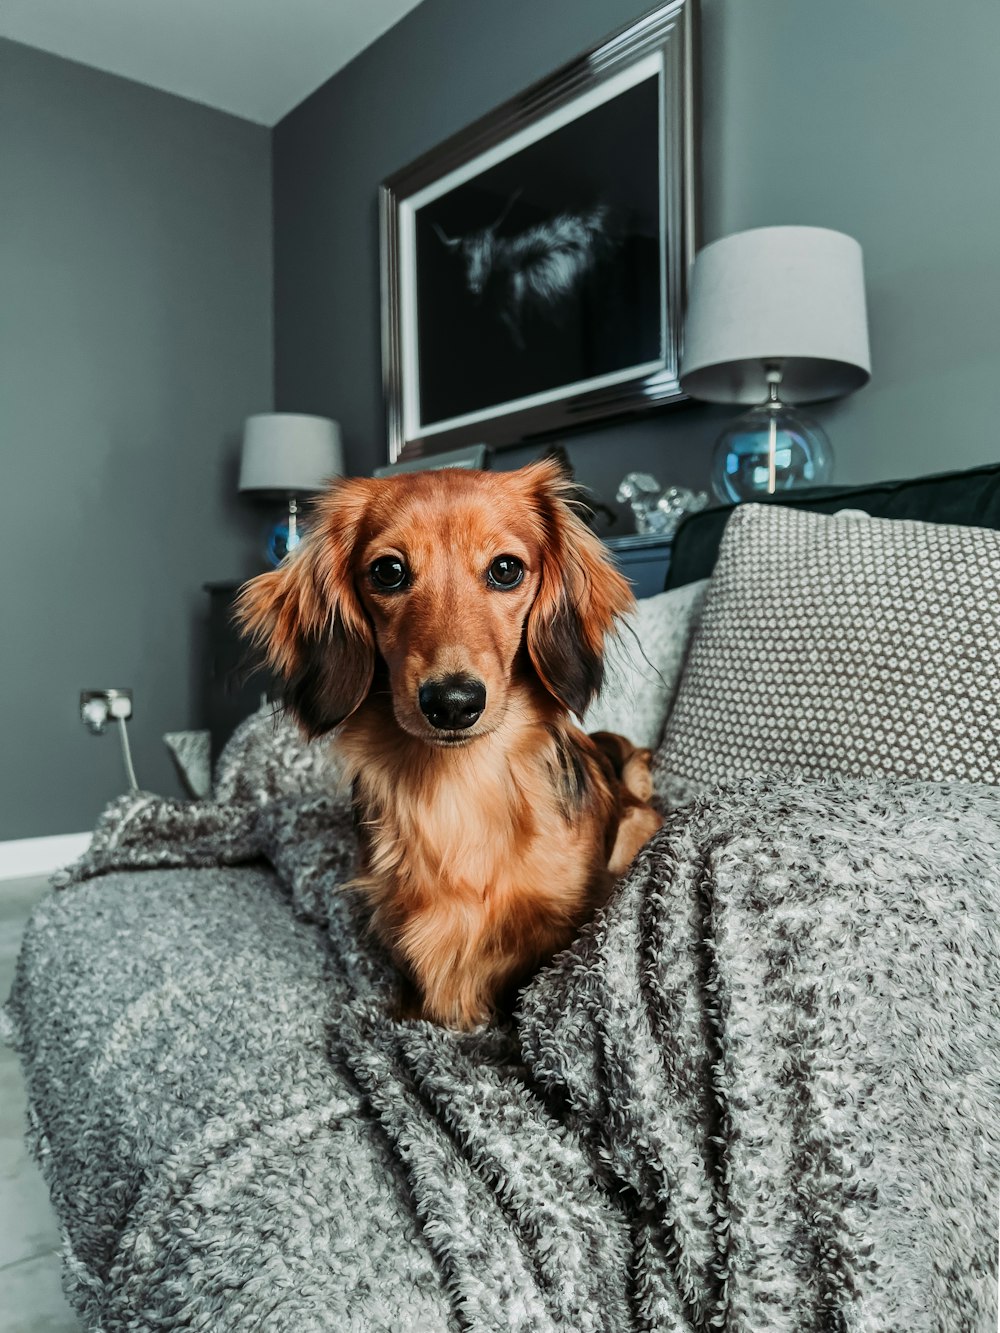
pixel 254 58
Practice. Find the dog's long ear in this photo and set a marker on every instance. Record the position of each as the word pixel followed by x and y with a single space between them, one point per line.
pixel 580 598
pixel 309 621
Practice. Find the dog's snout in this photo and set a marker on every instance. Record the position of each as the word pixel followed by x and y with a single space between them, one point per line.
pixel 452 704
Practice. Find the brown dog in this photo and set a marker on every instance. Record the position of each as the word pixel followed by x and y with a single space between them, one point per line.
pixel 448 623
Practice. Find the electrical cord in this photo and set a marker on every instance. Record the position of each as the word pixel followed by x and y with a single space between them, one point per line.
pixel 127 754
pixel 98 709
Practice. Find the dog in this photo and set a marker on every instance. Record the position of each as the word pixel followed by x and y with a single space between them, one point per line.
pixel 447 624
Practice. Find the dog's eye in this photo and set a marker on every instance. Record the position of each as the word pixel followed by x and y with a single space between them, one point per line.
pixel 388 572
pixel 506 571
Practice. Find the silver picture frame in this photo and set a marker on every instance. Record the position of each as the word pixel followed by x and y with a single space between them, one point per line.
pixel 659 46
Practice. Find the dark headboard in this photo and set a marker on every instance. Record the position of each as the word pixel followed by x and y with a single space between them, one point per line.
pixel 970 498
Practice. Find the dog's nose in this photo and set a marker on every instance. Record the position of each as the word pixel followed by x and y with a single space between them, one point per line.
pixel 452 704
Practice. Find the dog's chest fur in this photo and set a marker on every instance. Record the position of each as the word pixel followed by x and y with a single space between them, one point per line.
pixel 478 862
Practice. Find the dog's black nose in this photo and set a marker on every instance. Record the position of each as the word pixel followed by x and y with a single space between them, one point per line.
pixel 452 704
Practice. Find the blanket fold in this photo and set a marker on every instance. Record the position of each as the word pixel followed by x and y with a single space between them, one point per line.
pixel 759 1093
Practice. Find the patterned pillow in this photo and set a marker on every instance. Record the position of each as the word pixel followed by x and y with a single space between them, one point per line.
pixel 643 666
pixel 267 759
pixel 841 645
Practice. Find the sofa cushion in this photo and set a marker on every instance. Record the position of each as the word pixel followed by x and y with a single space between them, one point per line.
pixel 841 646
pixel 969 497
pixel 643 666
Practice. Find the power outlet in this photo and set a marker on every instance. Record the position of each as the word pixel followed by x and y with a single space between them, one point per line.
pixel 100 706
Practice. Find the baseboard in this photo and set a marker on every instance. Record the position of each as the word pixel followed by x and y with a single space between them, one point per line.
pixel 23 858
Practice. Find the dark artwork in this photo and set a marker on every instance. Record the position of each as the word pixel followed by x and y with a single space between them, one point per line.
pixel 545 269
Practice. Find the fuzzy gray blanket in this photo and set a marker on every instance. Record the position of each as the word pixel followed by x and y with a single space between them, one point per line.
pixel 760 1093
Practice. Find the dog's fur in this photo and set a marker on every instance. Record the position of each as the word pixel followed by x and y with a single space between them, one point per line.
pixel 483 850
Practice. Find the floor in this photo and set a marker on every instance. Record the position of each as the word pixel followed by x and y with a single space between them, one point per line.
pixel 31 1299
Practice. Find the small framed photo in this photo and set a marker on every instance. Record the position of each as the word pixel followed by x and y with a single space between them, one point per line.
pixel 474 456
pixel 534 265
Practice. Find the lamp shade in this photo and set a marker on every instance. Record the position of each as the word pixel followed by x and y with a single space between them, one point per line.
pixel 288 453
pixel 792 296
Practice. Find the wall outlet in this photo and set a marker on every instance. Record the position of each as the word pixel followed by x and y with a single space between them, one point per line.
pixel 98 707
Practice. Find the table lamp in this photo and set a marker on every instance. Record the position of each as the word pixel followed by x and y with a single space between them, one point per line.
pixel 287 455
pixel 775 313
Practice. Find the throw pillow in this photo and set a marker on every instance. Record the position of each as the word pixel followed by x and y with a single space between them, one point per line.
pixel 642 666
pixel 191 753
pixel 834 646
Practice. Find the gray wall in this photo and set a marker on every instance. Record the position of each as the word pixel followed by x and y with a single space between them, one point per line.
pixel 876 118
pixel 136 321
pixel 135 335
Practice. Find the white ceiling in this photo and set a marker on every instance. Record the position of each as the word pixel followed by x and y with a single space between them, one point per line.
pixel 254 58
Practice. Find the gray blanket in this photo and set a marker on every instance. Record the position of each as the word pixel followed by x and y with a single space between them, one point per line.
pixel 760 1093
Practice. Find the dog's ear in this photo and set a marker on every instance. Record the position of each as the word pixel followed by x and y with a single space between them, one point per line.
pixel 580 598
pixel 307 618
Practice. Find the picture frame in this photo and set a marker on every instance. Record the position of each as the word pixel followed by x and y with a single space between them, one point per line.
pixel 474 457
pixel 534 265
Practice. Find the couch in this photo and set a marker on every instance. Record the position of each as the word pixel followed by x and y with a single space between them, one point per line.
pixel 759 1093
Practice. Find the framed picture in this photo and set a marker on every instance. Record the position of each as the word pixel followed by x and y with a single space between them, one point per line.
pixel 475 457
pixel 534 265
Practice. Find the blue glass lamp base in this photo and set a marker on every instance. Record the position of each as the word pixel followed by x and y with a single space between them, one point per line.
pixel 280 540
pixel 768 450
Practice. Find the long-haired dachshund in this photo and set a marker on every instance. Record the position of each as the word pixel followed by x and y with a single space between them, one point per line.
pixel 448 624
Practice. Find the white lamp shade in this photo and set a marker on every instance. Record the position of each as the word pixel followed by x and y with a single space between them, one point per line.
pixel 788 295
pixel 288 453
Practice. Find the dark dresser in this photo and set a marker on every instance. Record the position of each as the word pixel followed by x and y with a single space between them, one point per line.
pixel 237 682
pixel 644 558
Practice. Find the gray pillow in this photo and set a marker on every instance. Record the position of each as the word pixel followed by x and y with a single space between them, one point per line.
pixel 642 667
pixel 838 645
pixel 191 752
